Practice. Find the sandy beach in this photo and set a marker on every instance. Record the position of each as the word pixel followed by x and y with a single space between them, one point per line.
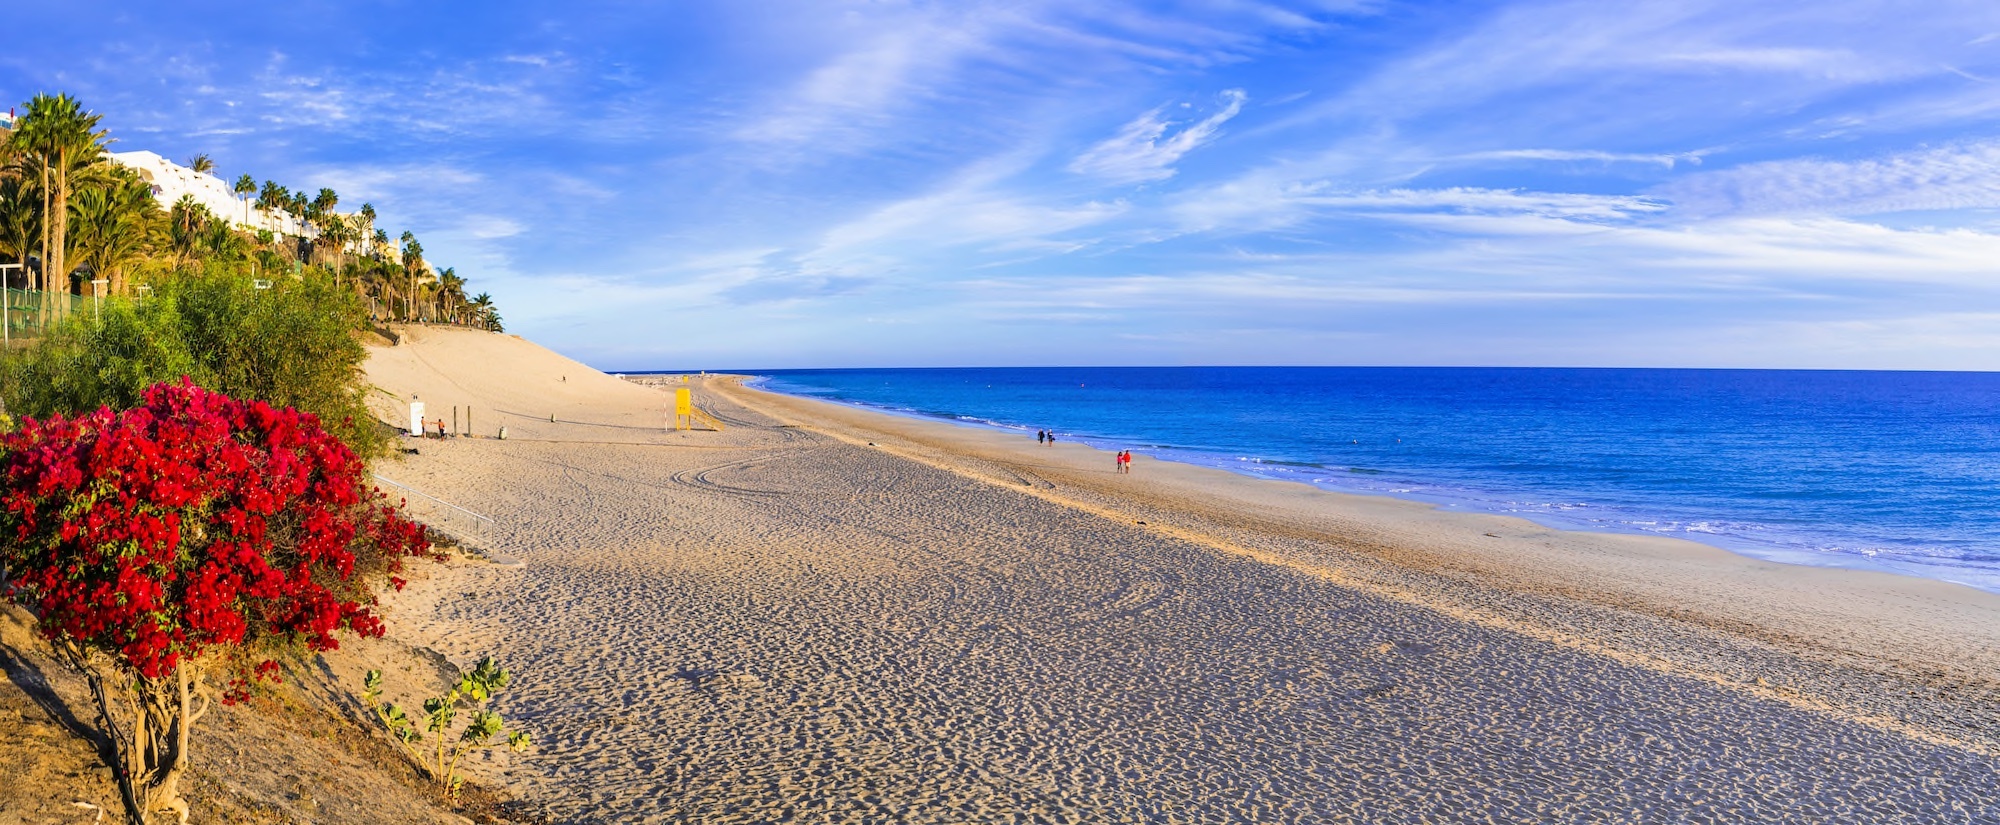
pixel 822 614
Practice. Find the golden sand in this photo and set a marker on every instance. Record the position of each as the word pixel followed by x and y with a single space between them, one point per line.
pixel 823 614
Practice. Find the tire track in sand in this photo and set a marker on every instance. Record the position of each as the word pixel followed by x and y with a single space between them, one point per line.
pixel 1469 615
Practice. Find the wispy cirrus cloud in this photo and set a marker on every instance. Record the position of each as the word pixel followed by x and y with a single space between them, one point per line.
pixel 978 209
pixel 1235 209
pixel 1551 181
pixel 883 77
pixel 1959 176
pixel 1839 64
pixel 1565 62
pixel 1147 148
pixel 840 104
pixel 1468 200
pixel 1667 160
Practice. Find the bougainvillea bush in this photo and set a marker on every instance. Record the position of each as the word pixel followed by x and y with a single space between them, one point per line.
pixel 194 533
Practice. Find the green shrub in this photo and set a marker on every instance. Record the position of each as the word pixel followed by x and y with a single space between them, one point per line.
pixel 85 364
pixel 292 345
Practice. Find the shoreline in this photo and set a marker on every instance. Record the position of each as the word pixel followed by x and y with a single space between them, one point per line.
pixel 1446 532
pixel 1474 500
pixel 827 613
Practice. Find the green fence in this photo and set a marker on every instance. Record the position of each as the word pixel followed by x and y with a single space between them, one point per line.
pixel 29 313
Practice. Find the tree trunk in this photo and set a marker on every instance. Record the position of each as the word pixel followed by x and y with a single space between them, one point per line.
pixel 48 227
pixel 59 274
pixel 149 753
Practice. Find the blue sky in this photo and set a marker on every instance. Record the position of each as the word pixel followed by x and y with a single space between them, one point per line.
pixel 771 184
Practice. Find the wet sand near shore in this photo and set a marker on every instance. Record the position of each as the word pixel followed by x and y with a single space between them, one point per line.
pixel 828 615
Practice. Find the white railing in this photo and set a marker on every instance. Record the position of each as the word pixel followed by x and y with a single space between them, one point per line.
pixel 466 526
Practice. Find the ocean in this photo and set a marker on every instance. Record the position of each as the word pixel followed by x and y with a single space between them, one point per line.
pixel 1893 471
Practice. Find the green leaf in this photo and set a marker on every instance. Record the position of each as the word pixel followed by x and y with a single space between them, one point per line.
pixel 485 725
pixel 439 713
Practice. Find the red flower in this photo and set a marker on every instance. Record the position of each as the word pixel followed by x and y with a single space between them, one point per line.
pixel 195 524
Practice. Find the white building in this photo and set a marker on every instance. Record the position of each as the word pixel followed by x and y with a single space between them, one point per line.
pixel 170 181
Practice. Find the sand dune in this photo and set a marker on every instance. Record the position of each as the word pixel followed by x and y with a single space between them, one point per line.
pixel 825 615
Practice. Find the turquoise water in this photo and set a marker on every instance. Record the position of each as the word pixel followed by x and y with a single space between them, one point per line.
pixel 1892 471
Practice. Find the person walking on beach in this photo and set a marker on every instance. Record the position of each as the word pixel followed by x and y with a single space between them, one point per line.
pixel 1041 436
pixel 1124 462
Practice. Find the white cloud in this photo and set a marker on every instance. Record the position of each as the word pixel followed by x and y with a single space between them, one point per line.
pixel 295 101
pixel 839 104
pixel 974 209
pixel 1564 205
pixel 1943 340
pixel 896 74
pixel 1576 61
pixel 1816 249
pixel 490 227
pixel 411 181
pixel 1828 63
pixel 1666 160
pixel 1960 176
pixel 539 61
pixel 1147 148
pixel 1246 207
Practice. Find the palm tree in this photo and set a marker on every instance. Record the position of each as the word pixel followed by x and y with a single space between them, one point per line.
pixel 326 200
pixel 450 294
pixel 380 286
pixel 244 188
pixel 298 209
pixel 187 225
pixel 323 217
pixel 201 164
pixel 333 235
pixel 61 139
pixel 366 231
pixel 20 222
pixel 115 226
pixel 413 260
pixel 220 243
pixel 482 310
pixel 270 196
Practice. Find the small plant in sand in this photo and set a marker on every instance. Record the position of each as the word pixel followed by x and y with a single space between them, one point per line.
pixel 428 739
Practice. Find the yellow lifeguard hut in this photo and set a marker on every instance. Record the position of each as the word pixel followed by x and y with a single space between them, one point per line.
pixel 686 415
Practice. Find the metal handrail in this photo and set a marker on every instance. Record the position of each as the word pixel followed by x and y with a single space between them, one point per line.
pixel 481 524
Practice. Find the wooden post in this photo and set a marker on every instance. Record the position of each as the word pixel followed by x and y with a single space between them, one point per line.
pixel 454 419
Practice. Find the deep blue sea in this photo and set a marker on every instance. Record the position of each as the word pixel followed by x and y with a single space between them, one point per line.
pixel 1896 471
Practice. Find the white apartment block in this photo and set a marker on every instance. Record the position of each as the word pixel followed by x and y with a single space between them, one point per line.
pixel 170 181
